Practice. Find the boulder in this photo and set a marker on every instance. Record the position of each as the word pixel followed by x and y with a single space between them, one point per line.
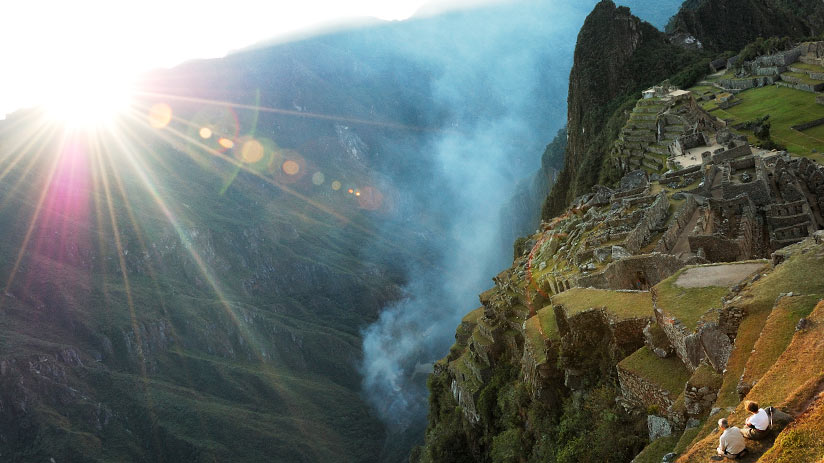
pixel 716 345
pixel 633 180
pixel 602 254
pixel 657 341
pixel 601 196
pixel 780 420
pixel 619 252
pixel 658 426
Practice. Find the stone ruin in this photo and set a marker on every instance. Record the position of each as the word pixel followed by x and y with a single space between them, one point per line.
pixel 801 67
pixel 694 194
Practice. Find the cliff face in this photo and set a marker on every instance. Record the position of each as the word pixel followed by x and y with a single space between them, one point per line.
pixel 730 24
pixel 616 55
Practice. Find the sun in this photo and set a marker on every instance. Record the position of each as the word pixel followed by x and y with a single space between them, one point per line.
pixel 88 98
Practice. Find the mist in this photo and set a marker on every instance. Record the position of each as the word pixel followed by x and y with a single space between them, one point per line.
pixel 502 81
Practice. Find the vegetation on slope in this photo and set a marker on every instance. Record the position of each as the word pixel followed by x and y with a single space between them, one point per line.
pixel 619 304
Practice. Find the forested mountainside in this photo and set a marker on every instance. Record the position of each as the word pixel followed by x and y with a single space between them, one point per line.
pixel 684 284
pixel 731 24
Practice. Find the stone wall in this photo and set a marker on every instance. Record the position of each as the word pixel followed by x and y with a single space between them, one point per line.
pixel 687 344
pixel 758 190
pixel 716 248
pixel 689 141
pixel 542 379
pixel 732 153
pixel 682 219
pixel 799 84
pixel 812 52
pixel 680 173
pixel 653 216
pixel 627 273
pixel 783 58
pixel 789 235
pixel 747 83
pixel 808 125
pixel 639 390
pixel 628 334
pixel 631 192
pixel 747 162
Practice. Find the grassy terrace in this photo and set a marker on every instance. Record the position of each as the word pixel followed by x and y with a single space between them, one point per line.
pixel 669 373
pixel 780 326
pixel 540 327
pixel 802 440
pixel 618 303
pixel 791 384
pixel 687 304
pixel 542 322
pixel 803 77
pixel 807 67
pixel 757 300
pixel 787 107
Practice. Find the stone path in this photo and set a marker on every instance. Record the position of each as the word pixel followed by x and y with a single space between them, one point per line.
pixel 682 245
pixel 716 275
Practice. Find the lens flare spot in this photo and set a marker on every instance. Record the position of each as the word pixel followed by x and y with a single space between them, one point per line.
pixel 318 178
pixel 251 152
pixel 226 143
pixel 336 185
pixel 290 167
pixel 205 133
pixel 160 114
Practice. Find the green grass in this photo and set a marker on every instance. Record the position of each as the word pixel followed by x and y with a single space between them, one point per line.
pixel 687 304
pixel 686 439
pixel 704 375
pixel 669 373
pixel 653 452
pixel 461 365
pixel 533 337
pixel 473 316
pixel 807 66
pixel 787 107
pixel 777 333
pixel 803 77
pixel 619 304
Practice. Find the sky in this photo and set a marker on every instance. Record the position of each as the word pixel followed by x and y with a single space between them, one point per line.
pixel 55 46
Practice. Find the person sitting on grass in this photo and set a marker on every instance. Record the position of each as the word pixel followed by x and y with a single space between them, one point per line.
pixel 758 424
pixel 731 443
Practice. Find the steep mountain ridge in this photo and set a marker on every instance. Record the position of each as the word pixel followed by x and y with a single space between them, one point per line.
pixel 616 55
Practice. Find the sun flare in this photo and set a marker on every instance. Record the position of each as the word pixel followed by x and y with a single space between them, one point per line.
pixel 84 100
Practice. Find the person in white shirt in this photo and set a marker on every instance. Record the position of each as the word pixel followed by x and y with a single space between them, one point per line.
pixel 731 443
pixel 758 424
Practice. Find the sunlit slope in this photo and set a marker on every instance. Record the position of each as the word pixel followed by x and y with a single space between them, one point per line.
pixel 151 313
